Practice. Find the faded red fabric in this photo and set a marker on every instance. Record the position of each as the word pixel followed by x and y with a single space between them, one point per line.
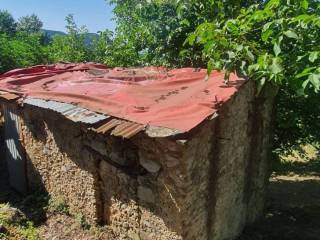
pixel 179 98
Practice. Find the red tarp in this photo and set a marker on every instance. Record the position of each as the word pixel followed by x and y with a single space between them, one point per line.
pixel 178 99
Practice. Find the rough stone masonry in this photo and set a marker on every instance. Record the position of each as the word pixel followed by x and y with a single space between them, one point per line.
pixel 206 184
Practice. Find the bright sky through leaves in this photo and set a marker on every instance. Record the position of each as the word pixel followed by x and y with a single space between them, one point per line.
pixel 95 14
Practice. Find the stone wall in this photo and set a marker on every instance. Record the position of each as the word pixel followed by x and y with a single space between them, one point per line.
pixel 58 163
pixel 206 184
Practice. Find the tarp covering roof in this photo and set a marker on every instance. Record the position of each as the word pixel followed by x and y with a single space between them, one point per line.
pixel 178 99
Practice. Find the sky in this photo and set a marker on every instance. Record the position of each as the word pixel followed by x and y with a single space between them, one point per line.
pixel 95 14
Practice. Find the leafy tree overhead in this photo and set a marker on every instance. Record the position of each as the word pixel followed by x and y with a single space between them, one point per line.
pixel 100 45
pixel 275 41
pixel 7 23
pixel 29 24
pixel 21 50
pixel 153 32
pixel 70 47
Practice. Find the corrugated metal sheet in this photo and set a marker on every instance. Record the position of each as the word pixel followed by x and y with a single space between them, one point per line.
pixel 72 112
pixel 127 129
pixel 9 96
pixel 121 128
pixel 14 151
pixel 108 126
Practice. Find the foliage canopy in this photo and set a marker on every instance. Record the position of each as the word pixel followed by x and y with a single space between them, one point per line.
pixel 29 24
pixel 7 23
pixel 276 41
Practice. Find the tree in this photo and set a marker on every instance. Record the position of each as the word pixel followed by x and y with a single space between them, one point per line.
pixel 153 32
pixel 99 46
pixel 29 24
pixel 275 42
pixel 7 23
pixel 21 50
pixel 71 47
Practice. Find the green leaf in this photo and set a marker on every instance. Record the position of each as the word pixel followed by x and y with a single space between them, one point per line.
pixel 314 78
pixel 231 54
pixel 191 39
pixel 305 83
pixel 299 58
pixel 266 26
pixel 276 49
pixel 260 85
pixel 253 68
pixel 185 22
pixel 266 34
pixel 276 66
pixel 304 4
pixel 250 54
pixel 305 72
pixel 313 56
pixel 232 27
pixel 210 67
pixel 291 34
pixel 272 4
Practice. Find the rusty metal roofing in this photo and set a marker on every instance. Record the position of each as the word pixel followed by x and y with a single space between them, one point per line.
pixel 72 112
pixel 108 126
pixel 168 98
pixel 9 96
pixel 127 129
pixel 120 128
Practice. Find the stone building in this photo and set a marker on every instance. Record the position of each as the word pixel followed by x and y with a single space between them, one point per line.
pixel 153 153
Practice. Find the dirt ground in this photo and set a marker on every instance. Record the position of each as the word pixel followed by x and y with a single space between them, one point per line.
pixel 292 210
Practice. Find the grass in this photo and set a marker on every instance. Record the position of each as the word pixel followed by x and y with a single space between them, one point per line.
pixel 286 224
pixel 58 205
pixel 16 226
pixel 293 208
pixel 305 161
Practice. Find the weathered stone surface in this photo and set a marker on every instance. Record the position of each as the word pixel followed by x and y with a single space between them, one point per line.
pixel 58 162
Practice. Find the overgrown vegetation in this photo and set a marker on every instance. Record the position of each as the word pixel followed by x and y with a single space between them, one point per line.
pixel 15 225
pixel 23 217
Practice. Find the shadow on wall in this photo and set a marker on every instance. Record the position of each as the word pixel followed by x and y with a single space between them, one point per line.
pixel 33 206
pixel 63 160
pixel 75 164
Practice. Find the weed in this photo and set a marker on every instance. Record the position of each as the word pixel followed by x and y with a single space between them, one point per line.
pixel 3 236
pixel 58 205
pixel 28 231
pixel 81 220
pixel 16 225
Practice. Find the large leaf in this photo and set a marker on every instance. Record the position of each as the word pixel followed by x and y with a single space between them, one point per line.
pixel 276 66
pixel 313 56
pixel 304 4
pixel 314 78
pixel 291 34
pixel 276 49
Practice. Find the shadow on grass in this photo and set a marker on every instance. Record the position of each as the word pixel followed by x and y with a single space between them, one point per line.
pixel 293 203
pixel 34 206
pixel 293 210
pixel 311 167
pixel 286 224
